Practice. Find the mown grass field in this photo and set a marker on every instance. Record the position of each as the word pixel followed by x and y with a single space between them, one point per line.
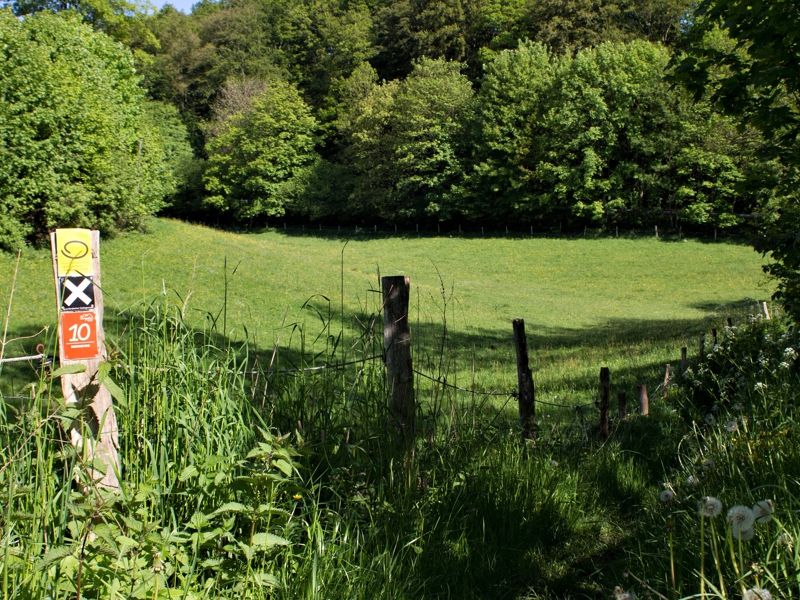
pixel 626 303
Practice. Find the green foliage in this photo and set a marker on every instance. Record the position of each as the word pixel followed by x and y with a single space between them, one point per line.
pixel 405 141
pixel 259 153
pixel 755 79
pixel 601 134
pixel 71 127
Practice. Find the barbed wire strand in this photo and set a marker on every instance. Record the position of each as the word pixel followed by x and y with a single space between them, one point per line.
pixel 22 358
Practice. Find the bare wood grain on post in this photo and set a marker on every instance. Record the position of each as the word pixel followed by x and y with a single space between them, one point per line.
pixel 83 389
pixel 527 393
pixel 665 386
pixel 397 344
pixel 622 405
pixel 644 402
pixel 605 391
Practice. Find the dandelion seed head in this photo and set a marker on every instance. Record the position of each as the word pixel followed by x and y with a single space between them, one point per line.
pixel 710 507
pixel 621 594
pixel 708 464
pixel 692 480
pixel 710 419
pixel 745 534
pixel 740 518
pixel 553 463
pixel 757 594
pixel 666 496
pixel 762 511
pixel 732 426
pixel 738 406
pixel 785 540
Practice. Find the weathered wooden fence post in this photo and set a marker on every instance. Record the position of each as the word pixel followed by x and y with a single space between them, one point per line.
pixel 397 344
pixel 76 265
pixel 605 391
pixel 702 346
pixel 644 402
pixel 713 338
pixel 527 392
pixel 766 310
pixel 622 405
pixel 730 322
pixel 683 360
pixel 665 386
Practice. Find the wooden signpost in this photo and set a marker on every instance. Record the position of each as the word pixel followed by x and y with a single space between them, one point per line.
pixel 76 264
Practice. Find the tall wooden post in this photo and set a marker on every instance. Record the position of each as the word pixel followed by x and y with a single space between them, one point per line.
pixel 397 344
pixel 605 390
pixel 644 402
pixel 527 392
pixel 76 263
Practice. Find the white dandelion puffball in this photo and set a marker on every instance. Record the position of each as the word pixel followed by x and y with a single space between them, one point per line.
pixel 738 406
pixel 667 496
pixel 757 594
pixel 732 426
pixel 621 594
pixel 553 463
pixel 745 534
pixel 708 464
pixel 785 541
pixel 762 511
pixel 740 518
pixel 692 480
pixel 710 419
pixel 710 507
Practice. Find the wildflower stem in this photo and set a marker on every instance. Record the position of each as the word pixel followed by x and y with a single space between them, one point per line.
pixel 702 556
pixel 736 566
pixel 717 561
pixel 672 566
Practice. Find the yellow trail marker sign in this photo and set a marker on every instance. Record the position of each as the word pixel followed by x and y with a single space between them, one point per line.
pixel 74 252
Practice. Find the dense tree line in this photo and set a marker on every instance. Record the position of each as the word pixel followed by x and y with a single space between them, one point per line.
pixel 405 111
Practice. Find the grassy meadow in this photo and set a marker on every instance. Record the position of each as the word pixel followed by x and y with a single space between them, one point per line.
pixel 629 304
pixel 238 482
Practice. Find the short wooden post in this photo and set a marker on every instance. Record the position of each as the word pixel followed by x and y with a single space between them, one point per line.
pixel 616 231
pixel 714 338
pixel 527 392
pixel 665 385
pixel 766 310
pixel 375 230
pixel 622 405
pixel 683 360
pixel 76 263
pixel 397 345
pixel 702 346
pixel 459 228
pixel 605 390
pixel 481 230
pixel 730 322
pixel 715 234
pixel 656 230
pixel 506 229
pixel 644 402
